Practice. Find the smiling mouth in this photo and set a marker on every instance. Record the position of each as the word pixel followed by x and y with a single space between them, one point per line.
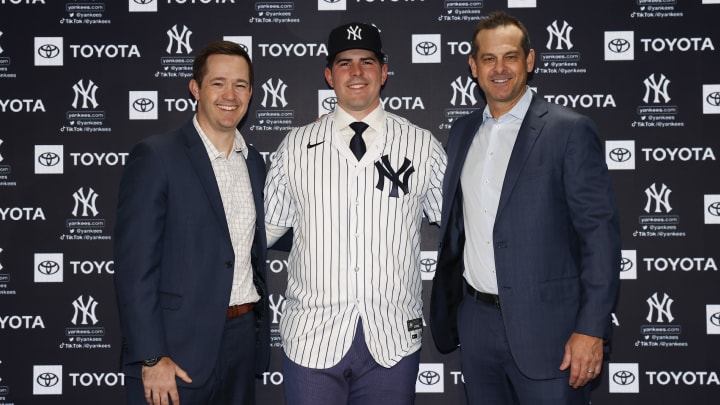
pixel 227 107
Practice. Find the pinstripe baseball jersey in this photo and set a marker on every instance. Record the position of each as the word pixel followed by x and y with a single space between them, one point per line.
pixel 356 235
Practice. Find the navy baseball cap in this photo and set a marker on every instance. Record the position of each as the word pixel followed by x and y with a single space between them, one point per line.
pixel 354 36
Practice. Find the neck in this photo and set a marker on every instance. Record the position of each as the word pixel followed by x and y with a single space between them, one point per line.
pixel 223 141
pixel 499 109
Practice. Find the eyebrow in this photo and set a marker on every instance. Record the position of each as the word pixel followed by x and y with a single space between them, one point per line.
pixel 482 54
pixel 226 79
pixel 373 58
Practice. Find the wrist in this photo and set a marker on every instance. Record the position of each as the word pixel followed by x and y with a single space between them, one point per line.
pixel 151 361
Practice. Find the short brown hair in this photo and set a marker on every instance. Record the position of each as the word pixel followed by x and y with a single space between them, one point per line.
pixel 218 48
pixel 500 19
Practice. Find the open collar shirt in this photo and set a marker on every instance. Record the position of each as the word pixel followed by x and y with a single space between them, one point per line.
pixel 482 179
pixel 356 235
pixel 233 181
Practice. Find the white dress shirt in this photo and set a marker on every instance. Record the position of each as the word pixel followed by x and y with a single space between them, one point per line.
pixel 482 180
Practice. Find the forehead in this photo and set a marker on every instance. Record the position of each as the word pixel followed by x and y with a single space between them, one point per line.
pixel 227 66
pixel 503 38
pixel 356 54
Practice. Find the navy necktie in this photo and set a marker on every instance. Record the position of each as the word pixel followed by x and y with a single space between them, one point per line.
pixel 357 145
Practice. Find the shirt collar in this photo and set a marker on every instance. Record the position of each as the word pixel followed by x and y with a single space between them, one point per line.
pixel 518 111
pixel 239 144
pixel 376 118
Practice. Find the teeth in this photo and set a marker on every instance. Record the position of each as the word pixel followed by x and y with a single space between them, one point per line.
pixel 227 107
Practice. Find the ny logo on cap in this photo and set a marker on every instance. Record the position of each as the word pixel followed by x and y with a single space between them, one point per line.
pixel 354 32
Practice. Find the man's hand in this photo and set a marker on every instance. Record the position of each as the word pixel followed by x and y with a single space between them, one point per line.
pixel 159 382
pixel 583 355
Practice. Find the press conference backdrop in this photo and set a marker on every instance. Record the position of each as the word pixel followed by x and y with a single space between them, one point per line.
pixel 82 81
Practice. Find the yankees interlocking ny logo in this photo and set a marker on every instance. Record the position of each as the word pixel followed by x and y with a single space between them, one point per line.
pixel 354 33
pixel 386 170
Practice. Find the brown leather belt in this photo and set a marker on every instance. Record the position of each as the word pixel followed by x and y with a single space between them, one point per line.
pixel 237 310
pixel 484 297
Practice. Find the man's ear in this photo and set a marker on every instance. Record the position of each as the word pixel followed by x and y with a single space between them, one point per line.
pixel 194 89
pixel 328 77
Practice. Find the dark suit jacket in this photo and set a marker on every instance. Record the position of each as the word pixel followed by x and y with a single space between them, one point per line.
pixel 174 258
pixel 556 238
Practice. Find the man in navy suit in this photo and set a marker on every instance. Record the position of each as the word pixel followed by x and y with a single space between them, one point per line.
pixel 529 261
pixel 190 249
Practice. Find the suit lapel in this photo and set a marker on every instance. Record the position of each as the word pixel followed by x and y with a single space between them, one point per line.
pixel 256 172
pixel 256 181
pixel 527 136
pixel 460 151
pixel 200 161
pixel 457 153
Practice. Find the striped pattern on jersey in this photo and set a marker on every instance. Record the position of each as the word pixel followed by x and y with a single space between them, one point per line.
pixel 356 247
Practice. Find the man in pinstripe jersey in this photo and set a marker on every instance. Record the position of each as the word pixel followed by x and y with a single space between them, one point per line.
pixel 352 323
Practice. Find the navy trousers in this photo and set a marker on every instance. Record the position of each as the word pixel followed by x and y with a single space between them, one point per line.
pixel 233 380
pixel 356 380
pixel 490 373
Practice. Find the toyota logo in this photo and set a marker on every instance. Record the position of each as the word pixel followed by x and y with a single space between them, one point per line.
pixel 429 377
pixel 143 1
pixel 714 208
pixel 426 48
pixel 626 264
pixel 713 99
pixel 47 380
pixel 48 267
pixel 620 155
pixel 329 103
pixel 332 1
pixel 619 45
pixel 143 105
pixel 623 377
pixel 427 264
pixel 48 159
pixel 715 319
pixel 48 51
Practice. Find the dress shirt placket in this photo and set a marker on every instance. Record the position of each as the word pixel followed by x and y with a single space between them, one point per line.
pixel 491 186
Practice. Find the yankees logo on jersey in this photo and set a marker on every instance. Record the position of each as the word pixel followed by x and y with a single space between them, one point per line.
pixel 385 170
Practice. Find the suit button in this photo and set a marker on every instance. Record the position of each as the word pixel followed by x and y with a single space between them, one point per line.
pixel 229 264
